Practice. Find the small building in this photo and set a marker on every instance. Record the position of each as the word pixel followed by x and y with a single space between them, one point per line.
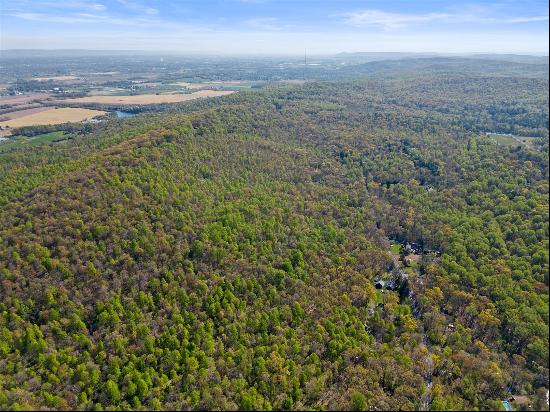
pixel 449 328
pixel 416 248
pixel 380 284
pixel 386 284
pixel 432 252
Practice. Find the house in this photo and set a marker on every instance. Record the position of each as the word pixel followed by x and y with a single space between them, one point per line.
pixel 413 248
pixel 449 328
pixel 416 248
pixel 380 284
pixel 383 284
pixel 432 252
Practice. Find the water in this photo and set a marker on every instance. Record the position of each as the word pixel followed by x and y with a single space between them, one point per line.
pixel 507 406
pixel 123 115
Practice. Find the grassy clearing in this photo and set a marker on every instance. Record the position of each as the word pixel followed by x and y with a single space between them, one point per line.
pixel 504 140
pixel 16 142
pixel 512 140
pixel 395 248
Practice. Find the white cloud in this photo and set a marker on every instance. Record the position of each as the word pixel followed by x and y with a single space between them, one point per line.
pixel 391 21
pixel 197 39
pixel 264 23
pixel 82 5
pixel 137 27
pixel 522 19
pixel 135 6
pixel 83 12
pixel 83 18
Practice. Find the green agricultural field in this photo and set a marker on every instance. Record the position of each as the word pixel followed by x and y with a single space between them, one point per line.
pixel 21 141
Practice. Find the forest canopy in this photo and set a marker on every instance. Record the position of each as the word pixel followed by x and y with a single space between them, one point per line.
pixel 359 245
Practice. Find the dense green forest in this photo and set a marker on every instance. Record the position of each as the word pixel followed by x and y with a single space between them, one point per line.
pixel 223 254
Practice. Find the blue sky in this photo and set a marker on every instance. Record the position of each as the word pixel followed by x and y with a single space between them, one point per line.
pixel 277 26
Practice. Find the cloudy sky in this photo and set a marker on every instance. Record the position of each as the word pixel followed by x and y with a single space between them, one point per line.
pixel 277 26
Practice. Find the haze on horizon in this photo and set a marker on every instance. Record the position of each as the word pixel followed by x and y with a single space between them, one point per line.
pixel 277 27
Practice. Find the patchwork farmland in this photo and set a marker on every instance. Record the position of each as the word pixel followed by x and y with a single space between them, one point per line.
pixel 145 99
pixel 53 116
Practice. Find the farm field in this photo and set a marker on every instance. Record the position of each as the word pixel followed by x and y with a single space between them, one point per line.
pixel 149 98
pixel 56 78
pixel 22 99
pixel 22 113
pixel 216 83
pixel 53 116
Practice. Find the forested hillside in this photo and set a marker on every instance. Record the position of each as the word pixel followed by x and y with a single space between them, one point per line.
pixel 225 254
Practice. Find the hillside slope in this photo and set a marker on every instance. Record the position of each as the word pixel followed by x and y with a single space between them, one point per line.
pixel 227 257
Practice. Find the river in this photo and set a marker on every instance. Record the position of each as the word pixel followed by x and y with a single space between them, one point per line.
pixel 122 115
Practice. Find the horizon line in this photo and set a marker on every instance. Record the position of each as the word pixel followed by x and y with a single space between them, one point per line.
pixel 210 52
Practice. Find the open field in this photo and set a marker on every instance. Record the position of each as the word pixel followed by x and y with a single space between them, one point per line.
pixel 190 85
pixel 216 83
pixel 4 110
pixel 511 140
pixel 21 113
pixel 16 142
pixel 149 98
pixel 56 78
pixel 53 116
pixel 22 99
